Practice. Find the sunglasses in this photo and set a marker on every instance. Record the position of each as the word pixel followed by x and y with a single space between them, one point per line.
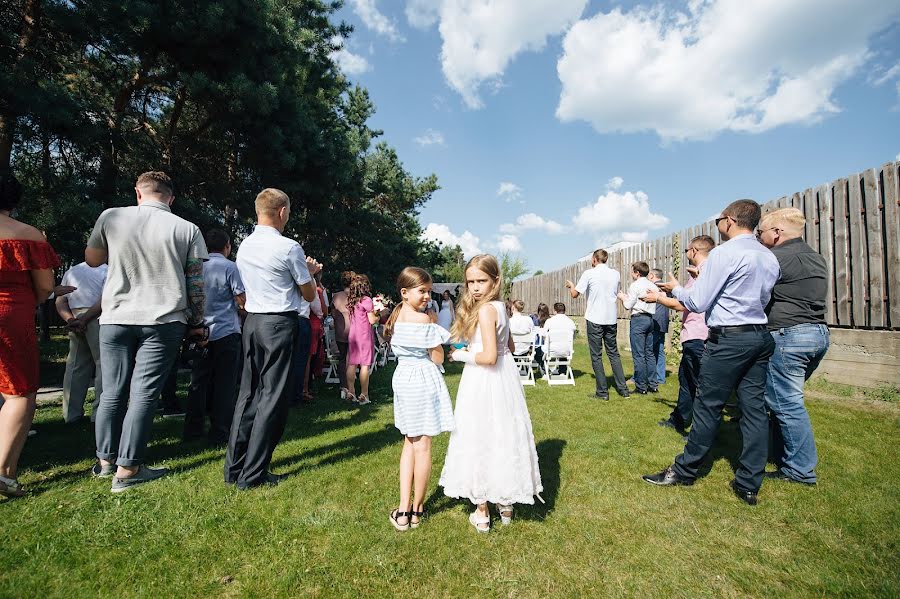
pixel 721 218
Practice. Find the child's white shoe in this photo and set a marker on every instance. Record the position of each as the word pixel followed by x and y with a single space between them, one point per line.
pixel 481 523
pixel 506 513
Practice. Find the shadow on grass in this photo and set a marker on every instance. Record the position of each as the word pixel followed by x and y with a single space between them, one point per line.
pixel 726 446
pixel 335 453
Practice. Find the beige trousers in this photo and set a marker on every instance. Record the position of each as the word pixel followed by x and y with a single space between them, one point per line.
pixel 82 370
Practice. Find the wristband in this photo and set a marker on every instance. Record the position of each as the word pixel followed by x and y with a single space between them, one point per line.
pixel 464 356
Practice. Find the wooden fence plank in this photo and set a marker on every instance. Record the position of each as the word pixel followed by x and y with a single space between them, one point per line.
pixel 811 228
pixel 825 218
pixel 859 264
pixel 891 195
pixel 841 253
pixel 874 231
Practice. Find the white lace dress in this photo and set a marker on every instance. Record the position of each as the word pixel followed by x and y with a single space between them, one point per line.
pixel 492 456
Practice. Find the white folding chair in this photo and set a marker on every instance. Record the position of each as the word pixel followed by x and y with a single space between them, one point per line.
pixel 558 352
pixel 332 359
pixel 524 360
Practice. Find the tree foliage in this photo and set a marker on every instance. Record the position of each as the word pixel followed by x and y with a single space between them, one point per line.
pixel 511 267
pixel 228 97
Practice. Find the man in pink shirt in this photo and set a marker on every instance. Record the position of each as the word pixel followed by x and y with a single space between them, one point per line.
pixel 693 337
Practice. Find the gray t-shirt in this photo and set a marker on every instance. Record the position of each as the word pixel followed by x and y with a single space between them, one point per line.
pixel 148 250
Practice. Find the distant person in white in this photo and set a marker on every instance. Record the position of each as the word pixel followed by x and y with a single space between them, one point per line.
pixel 641 330
pixel 81 310
pixel 599 285
pixel 560 332
pixel 521 328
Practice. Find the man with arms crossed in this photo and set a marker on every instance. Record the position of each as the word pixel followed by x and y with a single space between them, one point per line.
pixel 153 295
pixel 600 284
pixel 276 274
pixel 797 323
pixel 733 291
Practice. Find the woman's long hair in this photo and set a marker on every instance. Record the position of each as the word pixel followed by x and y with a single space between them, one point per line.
pixel 359 288
pixel 543 313
pixel 409 278
pixel 467 307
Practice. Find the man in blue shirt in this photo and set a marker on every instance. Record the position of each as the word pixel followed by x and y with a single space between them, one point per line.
pixel 214 377
pixel 734 291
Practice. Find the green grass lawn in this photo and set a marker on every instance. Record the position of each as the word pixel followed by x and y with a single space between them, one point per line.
pixel 324 531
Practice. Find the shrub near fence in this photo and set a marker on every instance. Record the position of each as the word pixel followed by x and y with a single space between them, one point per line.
pixel 854 222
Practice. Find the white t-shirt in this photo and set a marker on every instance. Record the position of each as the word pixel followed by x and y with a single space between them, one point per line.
pixel 636 290
pixel 599 285
pixel 272 266
pixel 560 334
pixel 89 281
pixel 521 325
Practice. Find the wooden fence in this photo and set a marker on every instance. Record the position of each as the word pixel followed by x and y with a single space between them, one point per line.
pixel 854 222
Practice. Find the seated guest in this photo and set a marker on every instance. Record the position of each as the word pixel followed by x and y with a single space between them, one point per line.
pixel 641 333
pixel 214 374
pixel 80 310
pixel 539 318
pixel 520 327
pixel 797 323
pixel 560 332
pixel 660 328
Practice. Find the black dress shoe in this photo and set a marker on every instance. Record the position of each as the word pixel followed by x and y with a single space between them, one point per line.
pixel 639 392
pixel 273 479
pixel 667 478
pixel 748 497
pixel 779 475
pixel 654 390
pixel 625 393
pixel 599 396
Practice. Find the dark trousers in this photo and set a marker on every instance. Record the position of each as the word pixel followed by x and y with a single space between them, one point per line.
pixel 213 391
pixel 600 335
pixel 301 356
pixel 641 336
pixel 168 400
pixel 734 361
pixel 688 383
pixel 343 351
pixel 267 386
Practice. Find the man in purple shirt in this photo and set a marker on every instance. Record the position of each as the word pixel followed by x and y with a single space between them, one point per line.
pixel 693 337
pixel 733 291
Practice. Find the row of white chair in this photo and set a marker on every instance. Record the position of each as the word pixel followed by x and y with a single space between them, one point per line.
pixel 558 351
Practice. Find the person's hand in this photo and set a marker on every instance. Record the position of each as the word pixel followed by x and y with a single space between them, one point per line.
pixel 669 285
pixel 569 284
pixel 693 271
pixel 622 296
pixel 651 297
pixel 61 290
pixel 313 265
pixel 75 324
pixel 198 334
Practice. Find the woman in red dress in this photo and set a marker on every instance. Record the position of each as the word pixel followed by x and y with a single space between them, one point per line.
pixel 26 278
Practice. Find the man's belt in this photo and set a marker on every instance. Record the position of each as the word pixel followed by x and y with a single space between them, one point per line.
pixel 741 328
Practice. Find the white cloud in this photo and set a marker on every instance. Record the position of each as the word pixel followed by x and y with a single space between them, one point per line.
pixel 509 243
pixel 350 63
pixel 619 217
pixel 481 37
pixel 724 65
pixel 615 183
pixel 509 191
pixel 375 20
pixel 532 222
pixel 470 243
pixel 430 138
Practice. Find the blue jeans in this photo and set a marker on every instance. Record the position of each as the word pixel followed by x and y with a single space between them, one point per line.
pixel 641 336
pixel 136 362
pixel 659 352
pixel 798 351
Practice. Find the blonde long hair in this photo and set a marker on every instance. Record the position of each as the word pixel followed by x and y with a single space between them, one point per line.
pixel 409 278
pixel 467 307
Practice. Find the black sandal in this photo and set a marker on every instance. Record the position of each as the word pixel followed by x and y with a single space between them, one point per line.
pixel 419 515
pixel 395 514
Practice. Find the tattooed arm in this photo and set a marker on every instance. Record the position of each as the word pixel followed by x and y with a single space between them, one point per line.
pixel 193 275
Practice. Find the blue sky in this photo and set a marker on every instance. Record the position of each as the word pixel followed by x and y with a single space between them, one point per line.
pixel 558 127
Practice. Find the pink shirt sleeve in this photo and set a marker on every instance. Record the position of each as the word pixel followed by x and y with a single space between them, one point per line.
pixel 366 304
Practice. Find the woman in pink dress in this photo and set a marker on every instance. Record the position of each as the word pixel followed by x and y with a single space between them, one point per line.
pixel 361 336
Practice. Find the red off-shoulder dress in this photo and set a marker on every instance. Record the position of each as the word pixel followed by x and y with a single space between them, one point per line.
pixel 19 356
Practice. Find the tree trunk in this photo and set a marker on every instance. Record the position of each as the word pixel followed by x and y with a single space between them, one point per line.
pixel 31 20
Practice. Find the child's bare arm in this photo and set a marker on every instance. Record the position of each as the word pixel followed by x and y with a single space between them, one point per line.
pixel 487 320
pixel 437 354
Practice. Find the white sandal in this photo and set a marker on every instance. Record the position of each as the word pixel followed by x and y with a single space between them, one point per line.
pixel 506 513
pixel 477 521
pixel 364 400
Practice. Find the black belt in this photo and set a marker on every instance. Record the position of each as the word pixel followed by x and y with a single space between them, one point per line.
pixel 741 328
pixel 641 314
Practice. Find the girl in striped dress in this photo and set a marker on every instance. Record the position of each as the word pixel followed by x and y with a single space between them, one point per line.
pixel 422 407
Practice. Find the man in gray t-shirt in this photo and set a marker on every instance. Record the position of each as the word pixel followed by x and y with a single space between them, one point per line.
pixel 153 295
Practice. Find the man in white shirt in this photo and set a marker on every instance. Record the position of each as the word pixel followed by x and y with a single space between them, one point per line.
pixel 521 328
pixel 81 309
pixel 600 284
pixel 641 330
pixel 560 332
pixel 276 275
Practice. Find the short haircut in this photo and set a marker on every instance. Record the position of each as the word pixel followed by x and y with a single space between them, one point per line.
pixel 703 244
pixel 216 240
pixel 156 182
pixel 788 218
pixel 642 268
pixel 10 191
pixel 270 200
pixel 519 305
pixel 745 213
pixel 559 308
pixel 600 256
pixel 657 272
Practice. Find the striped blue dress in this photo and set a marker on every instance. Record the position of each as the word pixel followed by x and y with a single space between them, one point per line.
pixel 421 401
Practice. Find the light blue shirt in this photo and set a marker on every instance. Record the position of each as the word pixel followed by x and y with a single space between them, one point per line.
pixel 736 283
pixel 221 282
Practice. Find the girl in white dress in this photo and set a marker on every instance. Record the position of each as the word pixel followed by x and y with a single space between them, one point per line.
pixel 446 315
pixel 491 457
pixel 422 407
